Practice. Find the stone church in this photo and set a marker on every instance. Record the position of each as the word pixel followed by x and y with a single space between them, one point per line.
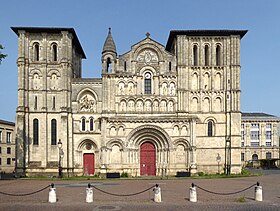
pixel 156 110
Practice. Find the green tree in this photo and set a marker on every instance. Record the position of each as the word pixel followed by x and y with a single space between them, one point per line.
pixel 2 56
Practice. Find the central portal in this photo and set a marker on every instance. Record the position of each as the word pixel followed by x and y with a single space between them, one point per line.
pixel 147 159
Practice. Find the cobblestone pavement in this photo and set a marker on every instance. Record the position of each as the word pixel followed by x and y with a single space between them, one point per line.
pixel 71 195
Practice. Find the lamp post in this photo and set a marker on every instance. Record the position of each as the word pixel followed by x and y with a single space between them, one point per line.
pixel 60 158
pixel 218 158
pixel 228 156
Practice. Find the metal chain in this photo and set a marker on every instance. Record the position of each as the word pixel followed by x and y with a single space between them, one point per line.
pixel 25 194
pixel 114 194
pixel 232 193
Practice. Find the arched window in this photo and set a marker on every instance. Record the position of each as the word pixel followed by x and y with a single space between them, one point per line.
pixel 148 83
pixel 83 124
pixel 195 56
pixel 109 65
pixel 206 55
pixel 53 103
pixel 218 55
pixel 35 132
pixel 36 52
pixel 54 52
pixel 210 128
pixel 124 65
pixel 255 157
pixel 170 66
pixel 268 155
pixel 91 124
pixel 53 132
pixel 35 103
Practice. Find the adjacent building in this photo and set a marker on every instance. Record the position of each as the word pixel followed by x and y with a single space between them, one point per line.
pixel 156 110
pixel 259 139
pixel 7 146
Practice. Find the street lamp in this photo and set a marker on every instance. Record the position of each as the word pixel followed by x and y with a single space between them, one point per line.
pixel 218 158
pixel 60 157
pixel 228 156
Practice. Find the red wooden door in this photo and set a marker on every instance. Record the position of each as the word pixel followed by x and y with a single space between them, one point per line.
pixel 88 164
pixel 147 159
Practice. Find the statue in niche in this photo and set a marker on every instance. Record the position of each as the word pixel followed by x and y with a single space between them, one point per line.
pixel 148 105
pixel 163 105
pixel 54 83
pixel 172 89
pixel 36 81
pixel 164 89
pixel 170 106
pixel 130 89
pixel 87 104
pixel 139 106
pixel 155 105
pixel 121 88
pixel 123 105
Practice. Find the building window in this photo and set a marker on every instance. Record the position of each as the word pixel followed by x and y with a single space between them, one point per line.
pixel 268 155
pixel 148 83
pixel 255 157
pixel 242 135
pixel 0 136
pixel 0 161
pixel 53 132
pixel 195 56
pixel 36 52
pixel 8 150
pixel 210 131
pixel 255 135
pixel 0 150
pixel 54 52
pixel 91 124
pixel 124 65
pixel 53 103
pixel 218 55
pixel 83 124
pixel 9 134
pixel 35 103
pixel 35 131
pixel 170 66
pixel 109 65
pixel 8 161
pixel 242 156
pixel 206 55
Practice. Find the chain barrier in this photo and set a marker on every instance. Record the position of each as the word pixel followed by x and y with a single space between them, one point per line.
pixel 24 194
pixel 114 194
pixel 231 193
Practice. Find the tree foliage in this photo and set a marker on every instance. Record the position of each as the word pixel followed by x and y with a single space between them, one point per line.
pixel 2 56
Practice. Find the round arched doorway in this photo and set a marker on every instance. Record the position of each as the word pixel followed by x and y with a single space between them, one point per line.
pixel 147 159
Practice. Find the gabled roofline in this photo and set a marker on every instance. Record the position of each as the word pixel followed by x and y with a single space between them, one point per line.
pixel 7 122
pixel 53 30
pixel 174 33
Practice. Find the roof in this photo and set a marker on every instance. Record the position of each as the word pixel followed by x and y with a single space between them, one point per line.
pixel 55 30
pixel 109 45
pixel 4 122
pixel 258 116
pixel 174 33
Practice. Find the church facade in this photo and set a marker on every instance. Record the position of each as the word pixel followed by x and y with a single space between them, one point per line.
pixel 156 110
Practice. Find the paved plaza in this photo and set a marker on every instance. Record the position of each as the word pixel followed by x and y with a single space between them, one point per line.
pixel 71 195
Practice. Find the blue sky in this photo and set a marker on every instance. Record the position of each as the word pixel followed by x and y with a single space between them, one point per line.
pixel 130 20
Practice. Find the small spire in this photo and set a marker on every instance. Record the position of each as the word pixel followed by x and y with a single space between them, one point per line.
pixel 148 35
pixel 109 45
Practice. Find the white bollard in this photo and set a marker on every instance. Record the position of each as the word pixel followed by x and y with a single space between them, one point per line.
pixel 89 191
pixel 157 192
pixel 52 194
pixel 193 196
pixel 258 192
